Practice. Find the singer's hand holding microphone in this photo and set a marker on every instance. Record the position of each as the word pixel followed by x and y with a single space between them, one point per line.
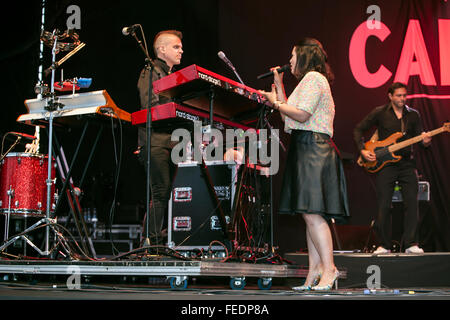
pixel 277 76
pixel 277 86
pixel 284 68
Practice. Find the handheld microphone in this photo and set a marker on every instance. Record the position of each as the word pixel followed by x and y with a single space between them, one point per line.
pixel 284 68
pixel 128 30
pixel 23 135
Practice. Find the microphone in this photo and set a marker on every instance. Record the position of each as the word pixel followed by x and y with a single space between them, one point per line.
pixel 127 30
pixel 284 68
pixel 225 59
pixel 23 135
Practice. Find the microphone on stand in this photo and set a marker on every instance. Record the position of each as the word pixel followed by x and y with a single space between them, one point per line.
pixel 224 58
pixel 23 135
pixel 284 68
pixel 128 30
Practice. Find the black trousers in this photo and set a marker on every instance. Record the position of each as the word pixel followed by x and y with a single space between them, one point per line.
pixel 162 171
pixel 406 174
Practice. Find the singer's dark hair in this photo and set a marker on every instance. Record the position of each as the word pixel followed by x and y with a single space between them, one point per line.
pixel 311 56
pixel 172 32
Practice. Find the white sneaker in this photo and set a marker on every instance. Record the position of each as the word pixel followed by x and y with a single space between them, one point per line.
pixel 381 250
pixel 414 249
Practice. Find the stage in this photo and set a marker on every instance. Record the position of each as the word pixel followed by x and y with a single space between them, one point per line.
pixel 48 291
pixel 403 276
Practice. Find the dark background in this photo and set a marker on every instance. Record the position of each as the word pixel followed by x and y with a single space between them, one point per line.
pixel 255 35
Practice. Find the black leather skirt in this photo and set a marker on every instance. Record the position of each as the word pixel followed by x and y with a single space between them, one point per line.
pixel 314 180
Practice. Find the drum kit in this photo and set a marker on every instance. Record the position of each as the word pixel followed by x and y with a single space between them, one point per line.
pixel 27 179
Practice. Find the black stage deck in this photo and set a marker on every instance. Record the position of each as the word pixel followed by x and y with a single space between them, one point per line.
pixel 397 270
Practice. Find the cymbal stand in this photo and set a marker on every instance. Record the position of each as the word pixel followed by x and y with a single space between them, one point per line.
pixel 51 107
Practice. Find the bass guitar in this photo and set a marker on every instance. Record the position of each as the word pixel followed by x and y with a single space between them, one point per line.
pixel 384 149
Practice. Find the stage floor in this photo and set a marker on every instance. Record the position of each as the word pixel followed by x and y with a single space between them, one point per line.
pixel 50 291
pixel 402 276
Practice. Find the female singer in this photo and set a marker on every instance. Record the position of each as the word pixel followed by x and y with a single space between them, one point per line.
pixel 314 184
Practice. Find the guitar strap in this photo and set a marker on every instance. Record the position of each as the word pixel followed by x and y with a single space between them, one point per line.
pixel 403 125
pixel 404 120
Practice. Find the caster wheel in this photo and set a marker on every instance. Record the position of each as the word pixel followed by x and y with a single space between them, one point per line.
pixel 237 283
pixel 9 277
pixel 178 283
pixel 264 283
pixel 87 279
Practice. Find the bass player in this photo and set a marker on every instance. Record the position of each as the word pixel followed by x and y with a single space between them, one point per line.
pixel 390 118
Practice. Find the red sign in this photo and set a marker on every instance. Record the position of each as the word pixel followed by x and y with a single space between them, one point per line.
pixel 414 58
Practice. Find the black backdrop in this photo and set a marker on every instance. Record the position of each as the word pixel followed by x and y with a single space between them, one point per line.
pixel 255 36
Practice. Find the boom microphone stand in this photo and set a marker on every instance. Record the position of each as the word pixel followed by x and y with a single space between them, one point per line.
pixel 150 66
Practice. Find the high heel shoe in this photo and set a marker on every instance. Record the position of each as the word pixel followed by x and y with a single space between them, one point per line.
pixel 330 286
pixel 308 288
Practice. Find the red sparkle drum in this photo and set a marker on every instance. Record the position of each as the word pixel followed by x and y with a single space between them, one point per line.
pixel 23 176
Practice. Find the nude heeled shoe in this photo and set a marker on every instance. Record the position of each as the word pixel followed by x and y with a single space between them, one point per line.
pixel 334 283
pixel 308 288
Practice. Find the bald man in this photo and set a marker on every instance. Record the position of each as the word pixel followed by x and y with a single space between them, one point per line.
pixel 168 47
pixel 168 50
